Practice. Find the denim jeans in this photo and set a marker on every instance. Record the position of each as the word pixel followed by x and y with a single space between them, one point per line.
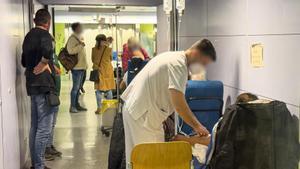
pixel 107 94
pixel 41 126
pixel 55 112
pixel 77 76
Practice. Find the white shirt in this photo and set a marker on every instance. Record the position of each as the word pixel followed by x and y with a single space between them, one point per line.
pixel 149 90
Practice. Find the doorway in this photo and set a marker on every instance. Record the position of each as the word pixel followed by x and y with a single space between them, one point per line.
pixel 78 136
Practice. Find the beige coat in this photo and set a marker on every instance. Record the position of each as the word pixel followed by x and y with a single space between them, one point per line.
pixel 75 47
pixel 106 72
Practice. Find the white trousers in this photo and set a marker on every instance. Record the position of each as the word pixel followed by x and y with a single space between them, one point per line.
pixel 136 133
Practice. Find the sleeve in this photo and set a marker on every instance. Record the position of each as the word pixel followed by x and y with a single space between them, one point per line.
pixel 73 46
pixel 46 47
pixel 177 77
pixel 125 58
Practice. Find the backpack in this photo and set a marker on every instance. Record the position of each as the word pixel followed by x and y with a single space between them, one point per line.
pixel 67 60
pixel 257 136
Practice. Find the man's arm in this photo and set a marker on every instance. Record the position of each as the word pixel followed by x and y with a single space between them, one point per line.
pixel 47 52
pixel 182 108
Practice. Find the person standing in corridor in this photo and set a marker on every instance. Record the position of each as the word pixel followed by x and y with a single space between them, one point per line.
pixel 75 45
pixel 101 58
pixel 37 60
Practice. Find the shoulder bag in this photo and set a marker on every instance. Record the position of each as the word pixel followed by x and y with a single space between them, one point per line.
pixel 95 75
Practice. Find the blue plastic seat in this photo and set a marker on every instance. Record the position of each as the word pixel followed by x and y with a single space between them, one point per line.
pixel 205 99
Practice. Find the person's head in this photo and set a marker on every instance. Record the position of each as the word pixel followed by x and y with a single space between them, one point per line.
pixel 110 40
pixel 200 55
pixel 42 18
pixel 77 28
pixel 133 44
pixel 100 39
pixel 246 97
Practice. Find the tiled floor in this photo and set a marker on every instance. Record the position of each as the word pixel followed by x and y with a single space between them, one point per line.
pixel 78 136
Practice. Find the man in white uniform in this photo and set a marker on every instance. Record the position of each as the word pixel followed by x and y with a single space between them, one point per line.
pixel 158 90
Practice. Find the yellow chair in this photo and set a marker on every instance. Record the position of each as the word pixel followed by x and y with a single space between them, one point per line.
pixel 171 155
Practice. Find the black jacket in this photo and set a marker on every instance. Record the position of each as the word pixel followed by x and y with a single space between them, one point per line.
pixel 257 136
pixel 38 44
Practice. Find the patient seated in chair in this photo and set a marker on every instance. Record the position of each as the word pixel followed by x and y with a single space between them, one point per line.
pixel 199 143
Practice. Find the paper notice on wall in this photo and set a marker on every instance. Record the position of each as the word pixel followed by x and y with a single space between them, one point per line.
pixel 257 55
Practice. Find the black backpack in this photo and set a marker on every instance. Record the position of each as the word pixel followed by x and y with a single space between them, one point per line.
pixel 257 136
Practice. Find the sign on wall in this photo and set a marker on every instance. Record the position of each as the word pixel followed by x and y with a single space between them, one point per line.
pixel 257 55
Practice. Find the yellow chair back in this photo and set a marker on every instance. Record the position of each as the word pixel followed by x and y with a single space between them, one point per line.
pixel 170 155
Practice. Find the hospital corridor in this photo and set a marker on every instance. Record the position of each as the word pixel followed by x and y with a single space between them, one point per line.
pixel 149 84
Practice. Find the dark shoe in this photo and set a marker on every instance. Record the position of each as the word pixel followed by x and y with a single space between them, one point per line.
pixel 73 110
pixel 49 157
pixel 79 108
pixel 52 150
pixel 82 90
pixel 98 111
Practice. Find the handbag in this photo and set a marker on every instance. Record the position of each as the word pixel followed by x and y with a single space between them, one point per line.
pixel 52 99
pixel 67 60
pixel 94 75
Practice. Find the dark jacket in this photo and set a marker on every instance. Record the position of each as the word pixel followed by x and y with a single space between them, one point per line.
pixel 257 136
pixel 37 45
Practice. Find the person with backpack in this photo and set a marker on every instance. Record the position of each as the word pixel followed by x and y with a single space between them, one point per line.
pixel 76 46
pixel 132 49
pixel 101 58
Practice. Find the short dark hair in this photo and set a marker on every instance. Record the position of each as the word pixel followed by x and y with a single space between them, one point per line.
pixel 75 25
pixel 207 48
pixel 42 16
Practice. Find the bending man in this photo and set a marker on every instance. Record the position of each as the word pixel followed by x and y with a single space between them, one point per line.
pixel 158 90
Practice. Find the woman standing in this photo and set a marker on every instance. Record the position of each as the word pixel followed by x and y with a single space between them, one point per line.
pixel 101 58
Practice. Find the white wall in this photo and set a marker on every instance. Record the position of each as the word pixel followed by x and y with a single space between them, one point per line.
pixel 233 26
pixel 15 107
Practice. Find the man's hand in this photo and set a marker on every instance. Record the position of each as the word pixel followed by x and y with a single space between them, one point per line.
pixel 40 68
pixel 57 70
pixel 182 108
pixel 201 130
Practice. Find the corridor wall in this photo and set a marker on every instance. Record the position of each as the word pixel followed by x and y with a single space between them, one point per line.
pixel 14 103
pixel 233 26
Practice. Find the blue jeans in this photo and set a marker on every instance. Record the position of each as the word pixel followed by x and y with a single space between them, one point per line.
pixel 77 76
pixel 41 127
pixel 55 112
pixel 107 94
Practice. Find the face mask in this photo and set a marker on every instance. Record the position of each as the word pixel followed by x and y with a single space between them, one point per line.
pixel 196 68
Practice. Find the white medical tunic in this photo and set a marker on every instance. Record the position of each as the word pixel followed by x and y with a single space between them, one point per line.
pixel 147 98
pixel 149 91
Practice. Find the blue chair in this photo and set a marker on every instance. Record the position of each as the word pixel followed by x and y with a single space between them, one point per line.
pixel 205 99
